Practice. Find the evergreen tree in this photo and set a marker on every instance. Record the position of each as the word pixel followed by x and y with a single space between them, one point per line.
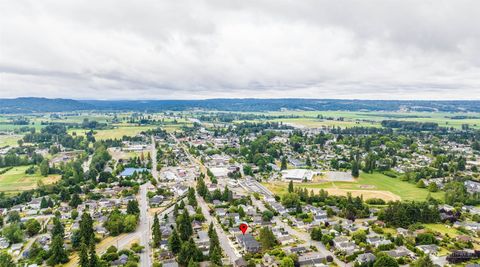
pixel 284 164
pixel 267 238
pixel 174 242
pixel 210 230
pixel 43 203
pixel 58 229
pixel 214 243
pixel 6 260
pixel 93 257
pixel 58 254
pixel 192 200
pixel 175 211
pixel 44 168
pixel 191 263
pixel 216 256
pixel 201 187
pixel 132 207
pixel 156 232
pixel 290 187
pixel 50 203
pixel 298 208
pixel 184 225
pixel 64 195
pixel 87 235
pixel 355 169
pixel 84 261
pixel 75 201
pixel 189 251
pixel 308 162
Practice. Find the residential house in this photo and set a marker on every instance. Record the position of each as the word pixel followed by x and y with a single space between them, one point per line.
pixel 203 241
pixel 429 249
pixel 248 242
pixel 400 252
pixel 365 258
pixel 311 259
pixel 377 241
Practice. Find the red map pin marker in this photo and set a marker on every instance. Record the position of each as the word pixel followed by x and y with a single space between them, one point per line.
pixel 243 227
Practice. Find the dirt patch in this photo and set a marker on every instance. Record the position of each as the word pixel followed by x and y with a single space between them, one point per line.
pixel 367 186
pixel 367 194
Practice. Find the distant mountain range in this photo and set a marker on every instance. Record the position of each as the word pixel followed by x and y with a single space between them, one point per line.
pixel 32 104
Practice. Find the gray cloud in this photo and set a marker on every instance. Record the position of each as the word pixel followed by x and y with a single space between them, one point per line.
pixel 150 49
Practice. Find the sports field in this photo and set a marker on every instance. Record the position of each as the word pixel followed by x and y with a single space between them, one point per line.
pixel 375 185
pixel 16 180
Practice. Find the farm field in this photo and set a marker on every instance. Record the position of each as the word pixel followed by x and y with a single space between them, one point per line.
pixel 315 123
pixel 9 140
pixel 375 185
pixel 372 119
pixel 16 180
pixel 125 130
pixel 116 133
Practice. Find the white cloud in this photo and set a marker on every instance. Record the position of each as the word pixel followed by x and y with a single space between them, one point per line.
pixel 152 49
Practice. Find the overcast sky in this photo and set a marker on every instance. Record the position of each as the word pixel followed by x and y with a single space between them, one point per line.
pixel 195 49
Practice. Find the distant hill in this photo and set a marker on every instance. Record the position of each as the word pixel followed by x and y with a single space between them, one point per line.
pixel 30 104
pixel 290 104
pixel 34 104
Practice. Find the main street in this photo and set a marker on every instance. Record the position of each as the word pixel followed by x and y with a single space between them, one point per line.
pixel 225 243
pixel 145 217
pixel 144 226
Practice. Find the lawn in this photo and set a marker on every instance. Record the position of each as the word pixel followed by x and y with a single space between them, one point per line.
pixel 443 229
pixel 16 180
pixel 375 185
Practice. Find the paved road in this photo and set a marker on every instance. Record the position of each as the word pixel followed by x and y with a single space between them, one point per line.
pixel 143 231
pixel 144 226
pixel 145 217
pixel 225 243
pixel 153 156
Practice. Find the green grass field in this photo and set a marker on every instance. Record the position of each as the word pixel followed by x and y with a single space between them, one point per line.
pixel 15 180
pixel 370 118
pixel 375 185
pixel 443 229
pixel 116 133
pixel 9 140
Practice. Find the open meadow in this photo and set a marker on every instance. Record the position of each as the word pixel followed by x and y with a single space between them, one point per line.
pixel 15 180
pixel 375 185
pixel 345 119
pixel 9 140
